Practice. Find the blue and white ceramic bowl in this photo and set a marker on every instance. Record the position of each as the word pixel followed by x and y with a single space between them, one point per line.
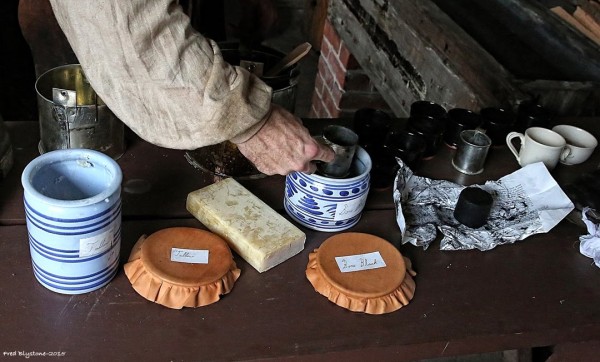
pixel 329 204
pixel 72 202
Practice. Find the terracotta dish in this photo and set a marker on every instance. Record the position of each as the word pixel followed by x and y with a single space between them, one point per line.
pixel 373 291
pixel 175 284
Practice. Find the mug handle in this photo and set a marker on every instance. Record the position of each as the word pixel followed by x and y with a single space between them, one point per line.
pixel 565 153
pixel 511 147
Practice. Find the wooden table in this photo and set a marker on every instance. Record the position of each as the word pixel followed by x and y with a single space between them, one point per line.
pixel 538 292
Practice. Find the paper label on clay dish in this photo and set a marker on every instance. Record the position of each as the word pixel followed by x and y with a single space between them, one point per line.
pixel 352 263
pixel 189 256
pixel 96 244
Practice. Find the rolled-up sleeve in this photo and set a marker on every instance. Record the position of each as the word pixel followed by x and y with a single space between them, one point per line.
pixel 168 83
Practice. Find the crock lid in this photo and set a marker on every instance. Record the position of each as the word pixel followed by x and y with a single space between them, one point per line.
pixel 182 267
pixel 369 288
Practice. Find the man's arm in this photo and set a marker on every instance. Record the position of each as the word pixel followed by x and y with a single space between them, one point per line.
pixel 163 79
pixel 172 87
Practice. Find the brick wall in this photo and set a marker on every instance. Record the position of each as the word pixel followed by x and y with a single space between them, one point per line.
pixel 341 86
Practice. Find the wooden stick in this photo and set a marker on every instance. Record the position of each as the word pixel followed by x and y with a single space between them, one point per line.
pixel 290 59
pixel 586 19
pixel 563 14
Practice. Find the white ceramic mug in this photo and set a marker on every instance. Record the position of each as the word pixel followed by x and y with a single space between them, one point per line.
pixel 539 145
pixel 582 143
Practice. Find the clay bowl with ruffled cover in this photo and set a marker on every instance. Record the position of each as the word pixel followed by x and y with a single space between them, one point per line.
pixel 329 204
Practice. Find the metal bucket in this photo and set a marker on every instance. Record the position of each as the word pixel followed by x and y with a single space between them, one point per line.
pixel 224 159
pixel 71 115
pixel 284 84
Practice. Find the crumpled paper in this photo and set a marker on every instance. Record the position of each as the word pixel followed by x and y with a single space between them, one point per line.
pixel 590 244
pixel 526 202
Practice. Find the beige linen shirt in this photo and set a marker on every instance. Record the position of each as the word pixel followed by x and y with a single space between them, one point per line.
pixel 163 79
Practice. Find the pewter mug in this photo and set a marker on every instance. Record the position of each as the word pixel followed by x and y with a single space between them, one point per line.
pixel 343 141
pixel 472 150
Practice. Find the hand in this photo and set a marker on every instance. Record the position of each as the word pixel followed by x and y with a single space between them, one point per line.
pixel 284 145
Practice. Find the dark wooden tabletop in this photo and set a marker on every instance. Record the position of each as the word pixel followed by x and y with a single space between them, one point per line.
pixel 166 173
pixel 538 292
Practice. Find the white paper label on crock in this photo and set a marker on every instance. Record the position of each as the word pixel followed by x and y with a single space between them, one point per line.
pixel 348 209
pixel 352 263
pixel 190 256
pixel 96 244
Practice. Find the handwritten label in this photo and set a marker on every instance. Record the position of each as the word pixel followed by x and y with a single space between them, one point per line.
pixel 360 262
pixel 347 209
pixel 190 256
pixel 96 244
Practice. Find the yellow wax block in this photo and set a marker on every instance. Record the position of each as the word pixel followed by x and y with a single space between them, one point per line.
pixel 252 229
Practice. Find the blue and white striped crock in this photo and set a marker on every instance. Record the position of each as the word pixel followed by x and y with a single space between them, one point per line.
pixel 329 204
pixel 72 201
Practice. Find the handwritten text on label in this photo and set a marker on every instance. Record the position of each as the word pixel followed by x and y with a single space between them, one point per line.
pixel 190 256
pixel 349 209
pixel 352 263
pixel 96 244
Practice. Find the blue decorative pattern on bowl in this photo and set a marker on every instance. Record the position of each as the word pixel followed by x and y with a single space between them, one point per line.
pixel 329 204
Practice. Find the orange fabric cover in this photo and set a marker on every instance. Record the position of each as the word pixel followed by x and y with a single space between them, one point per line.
pixel 176 285
pixel 373 291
